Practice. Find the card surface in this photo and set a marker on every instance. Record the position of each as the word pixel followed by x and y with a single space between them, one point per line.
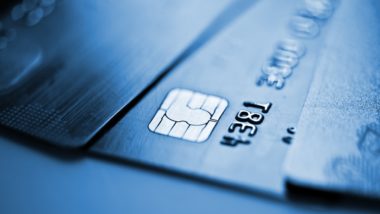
pixel 64 78
pixel 337 145
pixel 226 113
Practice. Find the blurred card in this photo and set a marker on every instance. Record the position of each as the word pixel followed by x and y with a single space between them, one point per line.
pixel 337 145
pixel 86 60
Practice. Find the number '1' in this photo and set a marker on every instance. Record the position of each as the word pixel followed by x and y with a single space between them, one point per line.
pixel 264 107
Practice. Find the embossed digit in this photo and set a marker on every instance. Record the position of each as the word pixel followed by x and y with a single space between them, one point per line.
pixel 232 141
pixel 264 107
pixel 250 117
pixel 243 127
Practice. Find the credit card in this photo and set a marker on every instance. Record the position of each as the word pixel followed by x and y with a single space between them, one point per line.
pixel 337 145
pixel 85 60
pixel 222 115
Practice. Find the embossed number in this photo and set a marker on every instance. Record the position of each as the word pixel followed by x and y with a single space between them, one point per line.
pixel 250 117
pixel 243 127
pixel 264 107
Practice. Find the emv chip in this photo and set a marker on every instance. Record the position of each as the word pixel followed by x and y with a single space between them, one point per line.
pixel 188 115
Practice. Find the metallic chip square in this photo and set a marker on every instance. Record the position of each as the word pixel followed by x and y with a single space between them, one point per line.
pixel 188 115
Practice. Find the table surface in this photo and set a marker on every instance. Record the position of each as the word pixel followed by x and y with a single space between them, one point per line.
pixel 38 179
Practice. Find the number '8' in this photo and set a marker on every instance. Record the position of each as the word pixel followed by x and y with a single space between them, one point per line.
pixel 250 117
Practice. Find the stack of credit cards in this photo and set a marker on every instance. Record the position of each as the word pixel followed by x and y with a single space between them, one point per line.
pixel 254 94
